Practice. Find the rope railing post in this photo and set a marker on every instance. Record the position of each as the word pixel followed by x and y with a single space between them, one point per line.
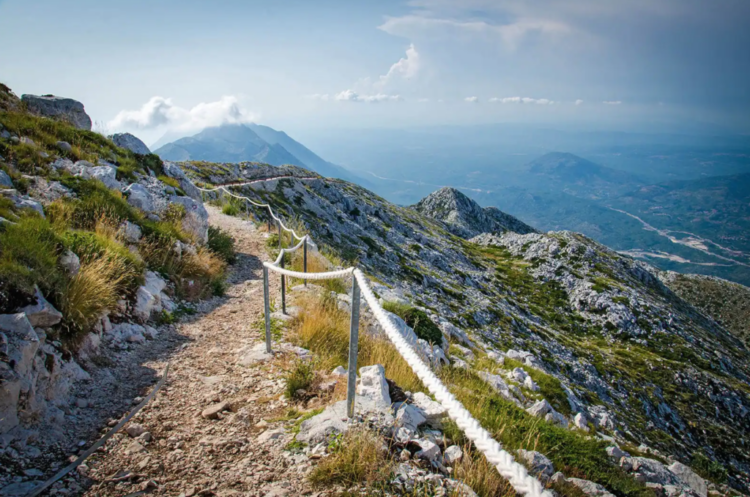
pixel 267 309
pixel 279 225
pixel 283 288
pixel 304 258
pixel 353 349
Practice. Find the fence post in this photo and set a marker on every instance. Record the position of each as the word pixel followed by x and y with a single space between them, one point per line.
pixel 267 309
pixel 353 349
pixel 283 286
pixel 304 257
pixel 279 225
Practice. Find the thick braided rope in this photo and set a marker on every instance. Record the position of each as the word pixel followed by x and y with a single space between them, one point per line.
pixel 515 473
pixel 342 273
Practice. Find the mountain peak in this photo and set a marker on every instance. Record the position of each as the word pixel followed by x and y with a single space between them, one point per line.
pixel 464 217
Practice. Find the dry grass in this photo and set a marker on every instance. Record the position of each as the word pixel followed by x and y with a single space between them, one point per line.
pixel 316 263
pixel 324 329
pixel 475 471
pixel 195 276
pixel 359 458
pixel 96 288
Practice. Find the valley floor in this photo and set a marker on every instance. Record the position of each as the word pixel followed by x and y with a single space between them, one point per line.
pixel 189 451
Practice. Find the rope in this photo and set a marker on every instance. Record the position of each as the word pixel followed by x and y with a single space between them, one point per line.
pixel 503 461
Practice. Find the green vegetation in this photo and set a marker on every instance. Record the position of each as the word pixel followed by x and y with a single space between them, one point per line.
pixel 222 244
pixel 550 387
pixel 417 319
pixel 299 377
pixel 708 469
pixel 358 458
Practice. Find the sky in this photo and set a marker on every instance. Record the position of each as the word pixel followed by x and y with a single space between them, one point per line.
pixel 168 66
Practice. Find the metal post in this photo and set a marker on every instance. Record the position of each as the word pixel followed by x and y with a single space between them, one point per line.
pixel 304 257
pixel 267 308
pixel 353 349
pixel 279 225
pixel 283 287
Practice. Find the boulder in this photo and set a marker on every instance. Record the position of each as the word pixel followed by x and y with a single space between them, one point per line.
pixel 64 146
pixel 140 198
pixel 42 314
pixel 373 385
pixel 428 449
pixel 519 375
pixel 174 171
pixel 195 222
pixel 530 384
pixel 127 333
pixel 105 174
pixel 254 354
pixel 651 470
pixel 689 478
pixel 65 109
pixel 148 298
pixel 130 142
pixel 22 341
pixel 130 232
pixel 581 422
pixel 5 180
pixel 333 420
pixel 409 417
pixel 556 418
pixel 70 262
pixel 537 463
pixel 589 487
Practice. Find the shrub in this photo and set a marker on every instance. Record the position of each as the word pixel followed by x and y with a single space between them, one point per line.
pixel 300 377
pixel 358 458
pixel 96 288
pixel 221 243
pixel 708 469
pixel 195 276
pixel 422 325
pixel 230 209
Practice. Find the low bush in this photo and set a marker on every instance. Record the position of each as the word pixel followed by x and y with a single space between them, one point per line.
pixel 708 469
pixel 221 243
pixel 195 276
pixel 230 209
pixel 417 319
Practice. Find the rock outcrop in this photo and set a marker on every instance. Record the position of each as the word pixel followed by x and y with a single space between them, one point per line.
pixel 65 109
pixel 130 142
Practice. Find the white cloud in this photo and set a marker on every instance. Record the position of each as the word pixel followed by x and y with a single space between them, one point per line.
pixel 353 96
pixel 612 102
pixel 522 100
pixel 161 112
pixel 406 68
pixel 472 100
pixel 579 102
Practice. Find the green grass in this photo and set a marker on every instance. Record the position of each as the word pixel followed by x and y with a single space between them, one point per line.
pixel 549 387
pixel 299 377
pixel 418 320
pixel 222 244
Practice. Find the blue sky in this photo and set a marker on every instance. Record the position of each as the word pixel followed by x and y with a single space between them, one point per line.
pixel 152 67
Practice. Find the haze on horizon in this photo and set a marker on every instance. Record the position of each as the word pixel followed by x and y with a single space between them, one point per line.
pixel 176 67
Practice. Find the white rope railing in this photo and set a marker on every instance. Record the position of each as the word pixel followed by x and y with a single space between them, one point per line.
pixel 515 473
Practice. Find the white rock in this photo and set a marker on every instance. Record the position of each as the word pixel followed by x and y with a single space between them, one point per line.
pixel 148 296
pixel 498 384
pixel 254 354
pixel 429 450
pixel 409 417
pixel 500 359
pixel 373 384
pixel 540 408
pixel 195 222
pixel 689 478
pixel 519 375
pixel 556 418
pixel 452 455
pixel 589 487
pixel 460 363
pixel 530 384
pixel 105 174
pixel 434 412
pixel 616 453
pixel 581 422
pixel 339 371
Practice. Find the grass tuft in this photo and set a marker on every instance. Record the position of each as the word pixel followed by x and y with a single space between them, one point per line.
pixel 359 458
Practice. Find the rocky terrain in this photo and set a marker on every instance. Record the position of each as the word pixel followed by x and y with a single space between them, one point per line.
pixel 619 353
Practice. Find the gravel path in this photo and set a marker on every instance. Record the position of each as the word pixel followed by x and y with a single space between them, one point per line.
pixel 208 432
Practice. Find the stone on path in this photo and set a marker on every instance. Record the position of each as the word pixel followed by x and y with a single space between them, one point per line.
pixel 253 354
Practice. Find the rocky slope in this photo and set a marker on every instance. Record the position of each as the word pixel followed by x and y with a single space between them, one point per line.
pixel 627 359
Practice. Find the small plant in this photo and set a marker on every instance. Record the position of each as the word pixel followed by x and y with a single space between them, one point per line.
pixel 711 470
pixel 418 320
pixel 360 458
pixel 300 377
pixel 221 244
pixel 230 209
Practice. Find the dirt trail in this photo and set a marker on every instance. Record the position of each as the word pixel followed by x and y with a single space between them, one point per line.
pixel 188 451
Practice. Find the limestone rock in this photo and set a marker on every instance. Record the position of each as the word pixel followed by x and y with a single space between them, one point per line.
pixel 130 232
pixel 42 314
pixel 433 412
pixel 590 488
pixel 64 146
pixel 140 198
pixel 409 417
pixel 70 262
pixel 195 222
pixel 65 109
pixel 453 454
pixel 212 411
pixel 251 355
pixel 537 463
pixel 186 185
pixel 689 478
pixel 373 385
pixel 339 371
pixel 580 422
pixel 130 142
pixel 540 408
pixel 428 449
pixel 149 296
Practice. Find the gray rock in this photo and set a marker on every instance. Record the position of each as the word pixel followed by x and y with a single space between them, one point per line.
pixel 65 109
pixel 537 463
pixel 581 422
pixel 651 470
pixel 590 488
pixel 433 412
pixel 195 222
pixel 130 142
pixel 213 411
pixel 249 356
pixel 409 417
pixel 557 479
pixel 464 352
pixel 540 408
pixel 339 371
pixel 173 171
pixel 498 384
pixel 616 453
pixel 148 298
pixel 64 146
pixel 70 262
pixel 135 430
pixel 689 478
pixel 42 314
pixel 429 450
pixel 5 180
pixel 556 418
pixel 105 174
pixel 19 489
pixel 140 198
pixel 333 419
pixel 529 383
pixel 130 232
pixel 127 333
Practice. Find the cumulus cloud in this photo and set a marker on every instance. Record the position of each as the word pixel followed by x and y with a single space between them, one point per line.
pixel 162 112
pixel 612 102
pixel 406 68
pixel 522 100
pixel 353 96
pixel 472 100
pixel 579 102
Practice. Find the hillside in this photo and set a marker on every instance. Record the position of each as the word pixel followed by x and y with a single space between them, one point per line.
pixel 612 348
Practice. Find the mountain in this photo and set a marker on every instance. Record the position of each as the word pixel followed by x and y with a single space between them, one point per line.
pixel 234 143
pixel 611 350
pixel 580 177
pixel 464 217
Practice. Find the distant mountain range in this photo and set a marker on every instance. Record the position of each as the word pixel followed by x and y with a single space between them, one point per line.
pixel 250 143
